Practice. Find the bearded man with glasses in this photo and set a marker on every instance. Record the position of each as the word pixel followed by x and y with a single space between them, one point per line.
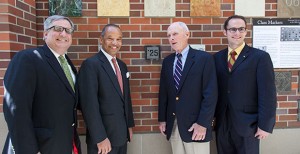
pixel 39 99
pixel 246 104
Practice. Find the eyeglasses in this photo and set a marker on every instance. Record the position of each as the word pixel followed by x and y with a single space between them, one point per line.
pixel 233 30
pixel 61 29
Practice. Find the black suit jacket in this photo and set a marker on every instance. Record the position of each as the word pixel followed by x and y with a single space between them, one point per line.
pixel 39 104
pixel 196 98
pixel 106 111
pixel 247 93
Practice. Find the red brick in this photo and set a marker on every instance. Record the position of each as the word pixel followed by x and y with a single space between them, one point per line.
pixel 140 75
pixel 185 20
pixel 151 41
pixel 287 117
pixel 136 6
pixel 182 6
pixel 211 41
pixel 149 95
pixel 141 115
pixel 119 20
pixel 130 27
pixel 149 108
pixel 154 88
pixel 201 21
pixel 149 122
pixel 150 27
pixel 22 6
pixel 160 20
pixel 281 125
pixel 150 82
pixel 140 20
pixel 288 104
pixel 88 28
pixel 271 13
pixel 140 89
pixel 140 34
pixel 151 69
pixel 97 21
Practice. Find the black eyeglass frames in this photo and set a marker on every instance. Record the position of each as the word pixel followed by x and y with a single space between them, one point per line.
pixel 61 29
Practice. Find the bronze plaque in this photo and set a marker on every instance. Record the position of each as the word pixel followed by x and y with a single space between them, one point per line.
pixel 288 8
pixel 205 8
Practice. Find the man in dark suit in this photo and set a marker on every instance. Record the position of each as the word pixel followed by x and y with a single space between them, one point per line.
pixel 187 94
pixel 246 105
pixel 39 101
pixel 104 95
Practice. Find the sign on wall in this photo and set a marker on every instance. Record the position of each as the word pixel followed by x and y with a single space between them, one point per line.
pixel 159 8
pixel 288 8
pixel 109 8
pixel 205 8
pixel 250 8
pixel 280 37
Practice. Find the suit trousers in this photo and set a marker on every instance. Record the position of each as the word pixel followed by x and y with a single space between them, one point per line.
pixel 181 147
pixel 228 141
pixel 93 149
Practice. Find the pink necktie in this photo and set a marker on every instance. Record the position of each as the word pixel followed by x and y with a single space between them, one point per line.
pixel 118 73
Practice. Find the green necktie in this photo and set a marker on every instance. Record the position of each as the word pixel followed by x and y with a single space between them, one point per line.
pixel 64 65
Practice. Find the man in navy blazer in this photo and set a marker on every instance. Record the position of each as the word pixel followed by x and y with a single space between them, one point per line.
pixel 246 105
pixel 185 114
pixel 39 102
pixel 104 98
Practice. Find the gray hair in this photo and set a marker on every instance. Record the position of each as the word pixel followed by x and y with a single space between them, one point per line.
pixel 182 25
pixel 48 22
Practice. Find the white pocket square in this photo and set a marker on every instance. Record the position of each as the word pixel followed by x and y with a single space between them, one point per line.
pixel 127 75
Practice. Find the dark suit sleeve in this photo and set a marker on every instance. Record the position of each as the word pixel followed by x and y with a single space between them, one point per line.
pixel 209 93
pixel 19 84
pixel 88 98
pixel 163 99
pixel 130 113
pixel 266 93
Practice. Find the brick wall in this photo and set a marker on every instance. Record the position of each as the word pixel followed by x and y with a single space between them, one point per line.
pixel 17 32
pixel 139 31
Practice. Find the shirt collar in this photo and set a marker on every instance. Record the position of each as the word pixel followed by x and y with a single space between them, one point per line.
pixel 184 51
pixel 55 53
pixel 108 56
pixel 238 50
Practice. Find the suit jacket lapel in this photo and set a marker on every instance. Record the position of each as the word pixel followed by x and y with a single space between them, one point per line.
pixel 170 72
pixel 110 72
pixel 243 55
pixel 188 64
pixel 51 59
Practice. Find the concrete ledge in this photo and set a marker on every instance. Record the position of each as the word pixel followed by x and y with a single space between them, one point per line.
pixel 281 141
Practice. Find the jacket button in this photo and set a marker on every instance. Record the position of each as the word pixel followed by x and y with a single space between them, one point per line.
pixel 177 98
pixel 173 114
pixel 73 124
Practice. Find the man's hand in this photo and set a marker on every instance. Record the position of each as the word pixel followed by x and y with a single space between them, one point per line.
pixel 104 147
pixel 162 128
pixel 130 133
pixel 260 134
pixel 199 132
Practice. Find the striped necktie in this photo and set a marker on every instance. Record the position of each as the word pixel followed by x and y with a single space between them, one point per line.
pixel 178 71
pixel 231 60
pixel 65 67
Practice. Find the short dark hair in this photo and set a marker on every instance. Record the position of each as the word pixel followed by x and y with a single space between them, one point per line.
pixel 108 25
pixel 234 17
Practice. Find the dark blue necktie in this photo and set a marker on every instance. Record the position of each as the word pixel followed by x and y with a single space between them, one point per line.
pixel 178 71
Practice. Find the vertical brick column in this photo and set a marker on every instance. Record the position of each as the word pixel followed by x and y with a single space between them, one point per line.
pixel 17 32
